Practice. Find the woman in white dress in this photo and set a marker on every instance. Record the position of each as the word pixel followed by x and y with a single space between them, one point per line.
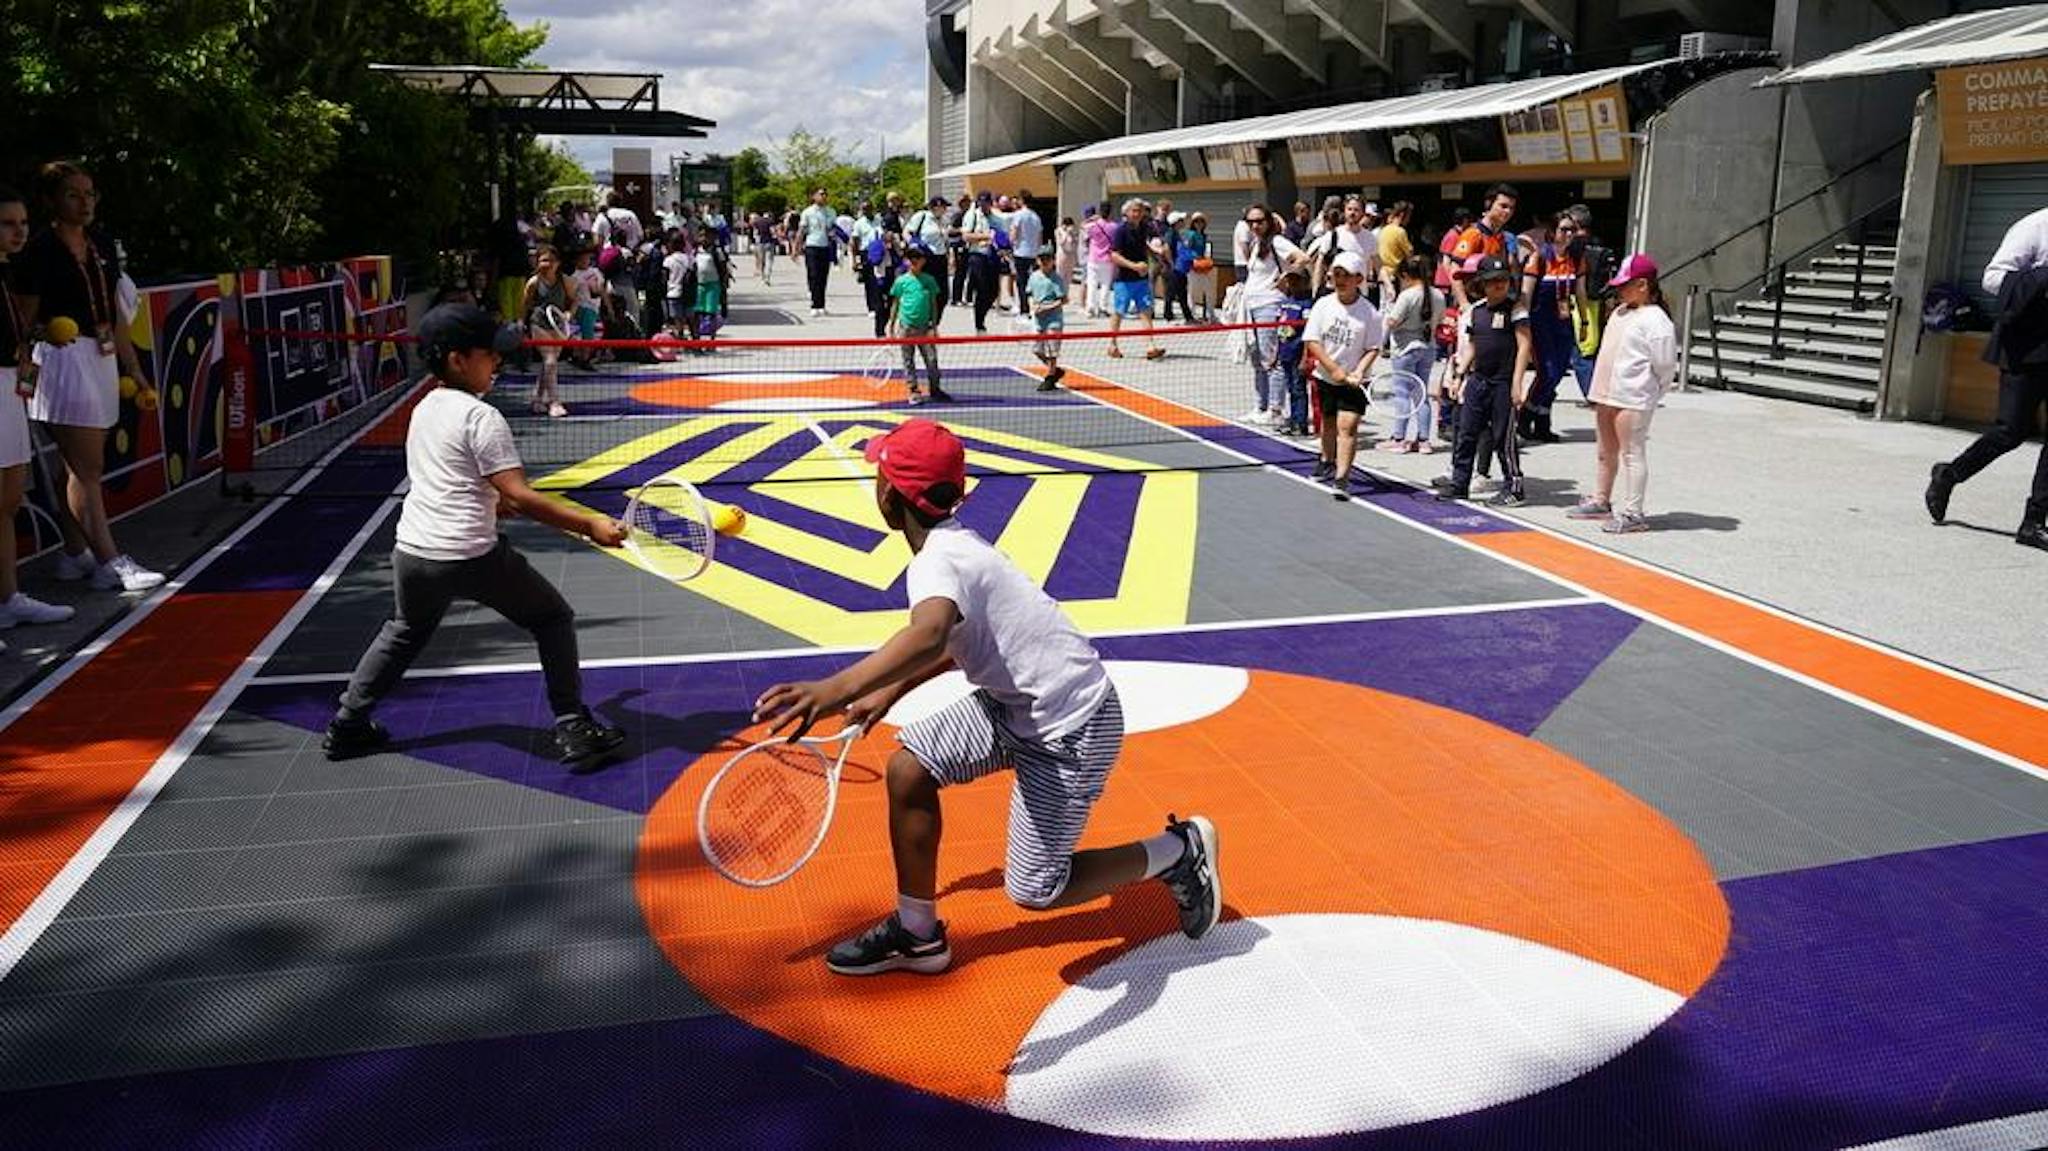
pixel 65 284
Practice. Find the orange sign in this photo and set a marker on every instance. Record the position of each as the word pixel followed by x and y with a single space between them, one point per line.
pixel 1994 113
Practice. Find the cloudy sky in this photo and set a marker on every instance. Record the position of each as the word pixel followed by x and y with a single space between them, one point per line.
pixel 850 69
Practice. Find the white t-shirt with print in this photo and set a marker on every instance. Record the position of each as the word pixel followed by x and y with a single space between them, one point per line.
pixel 455 443
pixel 1012 640
pixel 1345 331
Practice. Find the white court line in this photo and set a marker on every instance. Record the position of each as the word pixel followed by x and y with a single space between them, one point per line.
pixel 2024 1132
pixel 846 463
pixel 799 652
pixel 51 901
pixel 1843 694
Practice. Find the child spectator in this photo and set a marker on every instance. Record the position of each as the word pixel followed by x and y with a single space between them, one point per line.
pixel 913 315
pixel 1343 338
pixel 711 275
pixel 1047 295
pixel 1293 315
pixel 1411 326
pixel 1494 366
pixel 681 293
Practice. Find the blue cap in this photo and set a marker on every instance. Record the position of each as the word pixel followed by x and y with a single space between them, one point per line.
pixel 460 327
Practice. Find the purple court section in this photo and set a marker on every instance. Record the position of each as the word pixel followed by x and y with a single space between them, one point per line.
pixel 289 550
pixel 1509 668
pixel 1858 1002
pixel 1405 501
pixel 1091 561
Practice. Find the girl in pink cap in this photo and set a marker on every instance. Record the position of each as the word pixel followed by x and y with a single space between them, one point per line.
pixel 1638 360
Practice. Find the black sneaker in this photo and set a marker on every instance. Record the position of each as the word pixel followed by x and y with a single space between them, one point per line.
pixel 2032 536
pixel 1940 486
pixel 1195 882
pixel 352 737
pixel 1325 471
pixel 582 742
pixel 1444 484
pixel 1340 489
pixel 941 395
pixel 1508 498
pixel 888 947
pixel 1051 382
pixel 1450 495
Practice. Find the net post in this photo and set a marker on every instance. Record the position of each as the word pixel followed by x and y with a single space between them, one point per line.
pixel 238 384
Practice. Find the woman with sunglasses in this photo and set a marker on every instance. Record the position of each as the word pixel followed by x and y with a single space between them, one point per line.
pixel 1264 255
pixel 1553 281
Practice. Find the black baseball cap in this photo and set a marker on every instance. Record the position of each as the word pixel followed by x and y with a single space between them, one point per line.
pixel 460 327
pixel 937 202
pixel 1492 268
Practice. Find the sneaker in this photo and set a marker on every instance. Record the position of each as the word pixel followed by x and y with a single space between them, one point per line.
pixel 582 742
pixel 2032 536
pixel 1154 353
pixel 1625 525
pixel 1115 353
pixel 1051 382
pixel 1590 509
pixel 1449 495
pixel 1325 470
pixel 557 411
pixel 126 575
pixel 1195 882
pixel 1940 486
pixel 350 737
pixel 1508 498
pixel 1421 448
pixel 1443 483
pixel 888 947
pixel 1255 416
pixel 537 408
pixel 1485 484
pixel 24 608
pixel 941 395
pixel 1340 489
pixel 76 567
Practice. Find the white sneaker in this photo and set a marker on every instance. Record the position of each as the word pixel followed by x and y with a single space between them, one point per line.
pixel 557 411
pixel 1255 416
pixel 25 608
pixel 76 567
pixel 125 574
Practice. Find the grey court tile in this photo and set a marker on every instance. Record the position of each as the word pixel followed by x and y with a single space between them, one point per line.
pixel 1768 841
pixel 61 1038
pixel 291 872
pixel 160 881
pixel 302 818
pixel 539 915
pixel 192 824
pixel 460 807
pixel 1966 814
pixel 213 774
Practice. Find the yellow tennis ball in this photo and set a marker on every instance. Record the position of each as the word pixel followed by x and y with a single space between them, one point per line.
pixel 729 520
pixel 127 387
pixel 146 400
pixel 60 330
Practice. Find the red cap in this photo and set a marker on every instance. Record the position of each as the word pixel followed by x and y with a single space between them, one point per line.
pixel 917 455
pixel 1637 267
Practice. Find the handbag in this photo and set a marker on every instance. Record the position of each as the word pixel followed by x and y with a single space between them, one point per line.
pixel 1202 264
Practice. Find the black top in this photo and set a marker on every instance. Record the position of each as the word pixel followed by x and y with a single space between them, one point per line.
pixel 63 286
pixel 1493 338
pixel 1132 242
pixel 11 321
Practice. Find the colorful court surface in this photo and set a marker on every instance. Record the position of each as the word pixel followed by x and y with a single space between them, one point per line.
pixel 1524 845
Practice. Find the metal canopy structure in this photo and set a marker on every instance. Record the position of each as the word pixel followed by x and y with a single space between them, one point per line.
pixel 1972 38
pixel 992 164
pixel 557 103
pixel 1456 104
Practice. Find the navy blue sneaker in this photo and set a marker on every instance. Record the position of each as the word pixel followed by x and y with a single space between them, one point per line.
pixel 351 737
pixel 887 946
pixel 1195 882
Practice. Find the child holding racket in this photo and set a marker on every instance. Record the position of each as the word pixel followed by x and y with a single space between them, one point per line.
pixel 913 315
pixel 1046 295
pixel 463 467
pixel 1342 340
pixel 1043 708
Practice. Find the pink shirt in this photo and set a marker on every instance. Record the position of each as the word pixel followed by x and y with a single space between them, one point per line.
pixel 1099 233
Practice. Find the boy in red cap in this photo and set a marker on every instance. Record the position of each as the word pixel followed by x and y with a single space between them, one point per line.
pixel 1043 707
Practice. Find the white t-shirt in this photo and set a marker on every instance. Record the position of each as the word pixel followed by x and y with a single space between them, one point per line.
pixel 1012 640
pixel 677 265
pixel 455 443
pixel 1262 273
pixel 1346 332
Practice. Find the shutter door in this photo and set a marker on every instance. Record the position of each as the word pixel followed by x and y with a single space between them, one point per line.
pixel 2000 194
pixel 952 142
pixel 1222 208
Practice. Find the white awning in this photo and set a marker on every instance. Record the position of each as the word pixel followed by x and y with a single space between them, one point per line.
pixel 992 164
pixel 1481 103
pixel 1972 38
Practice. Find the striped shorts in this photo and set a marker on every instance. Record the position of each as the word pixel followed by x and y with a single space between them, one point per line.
pixel 1057 781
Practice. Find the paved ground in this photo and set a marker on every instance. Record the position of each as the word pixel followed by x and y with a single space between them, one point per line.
pixel 1528 844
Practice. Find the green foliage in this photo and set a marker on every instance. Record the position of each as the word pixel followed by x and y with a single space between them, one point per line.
pixel 903 175
pixel 226 132
pixel 769 200
pixel 750 173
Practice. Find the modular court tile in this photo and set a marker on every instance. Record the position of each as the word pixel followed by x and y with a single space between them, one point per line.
pixel 1523 845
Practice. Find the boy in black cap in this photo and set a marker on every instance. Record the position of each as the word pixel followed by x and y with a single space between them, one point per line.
pixel 1494 365
pixel 463 467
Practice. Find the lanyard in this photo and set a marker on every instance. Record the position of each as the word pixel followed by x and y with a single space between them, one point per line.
pixel 94 273
pixel 15 328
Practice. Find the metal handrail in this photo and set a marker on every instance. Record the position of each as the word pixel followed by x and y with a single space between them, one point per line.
pixel 1775 277
pixel 1714 249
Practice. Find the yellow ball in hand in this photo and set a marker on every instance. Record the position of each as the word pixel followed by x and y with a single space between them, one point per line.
pixel 60 330
pixel 729 520
pixel 127 387
pixel 145 400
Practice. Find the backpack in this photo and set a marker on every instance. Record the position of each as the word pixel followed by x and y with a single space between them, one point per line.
pixel 877 252
pixel 1001 241
pixel 1947 309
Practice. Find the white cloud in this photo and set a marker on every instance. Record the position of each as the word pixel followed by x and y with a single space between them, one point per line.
pixel 850 69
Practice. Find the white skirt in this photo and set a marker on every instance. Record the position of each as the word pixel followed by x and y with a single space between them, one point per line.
pixel 14 445
pixel 78 387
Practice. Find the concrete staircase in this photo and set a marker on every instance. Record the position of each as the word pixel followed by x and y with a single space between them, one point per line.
pixel 1831 338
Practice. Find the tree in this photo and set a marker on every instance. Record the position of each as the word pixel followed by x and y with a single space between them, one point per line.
pixel 903 175
pixel 749 172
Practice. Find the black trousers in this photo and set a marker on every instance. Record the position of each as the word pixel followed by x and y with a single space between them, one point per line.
pixel 1487 412
pixel 817 266
pixel 2020 396
pixel 935 267
pixel 874 285
pixel 499 579
pixel 1177 293
pixel 982 272
pixel 960 263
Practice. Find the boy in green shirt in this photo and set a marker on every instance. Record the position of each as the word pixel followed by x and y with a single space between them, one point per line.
pixel 913 303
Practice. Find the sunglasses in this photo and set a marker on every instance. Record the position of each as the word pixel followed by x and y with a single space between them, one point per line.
pixel 1255 219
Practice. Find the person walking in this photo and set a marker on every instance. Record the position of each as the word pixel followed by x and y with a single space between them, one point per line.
pixel 1132 248
pixel 1101 272
pixel 1066 241
pixel 2018 276
pixel 816 226
pixel 1201 268
pixel 1027 237
pixel 984 272
pixel 926 228
pixel 1637 364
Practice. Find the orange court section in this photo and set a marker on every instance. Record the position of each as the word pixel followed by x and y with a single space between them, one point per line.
pixel 713 391
pixel 1329 798
pixel 68 762
pixel 1953 704
pixel 1138 403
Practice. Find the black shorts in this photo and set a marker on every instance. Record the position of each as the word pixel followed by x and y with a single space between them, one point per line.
pixel 1334 398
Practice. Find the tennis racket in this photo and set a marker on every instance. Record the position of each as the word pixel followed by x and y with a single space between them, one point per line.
pixel 550 322
pixel 1406 393
pixel 878 370
pixel 668 529
pixel 767 810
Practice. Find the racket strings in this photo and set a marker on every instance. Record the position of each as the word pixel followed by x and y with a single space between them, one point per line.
pixel 646 520
pixel 765 810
